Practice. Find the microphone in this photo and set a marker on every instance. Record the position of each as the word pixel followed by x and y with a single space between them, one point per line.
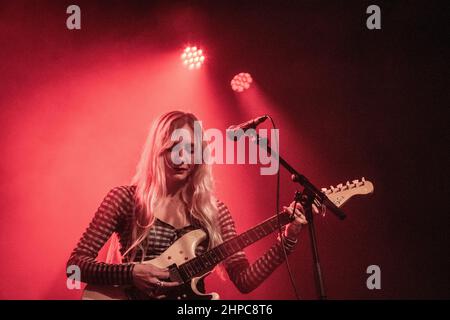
pixel 251 124
pixel 233 131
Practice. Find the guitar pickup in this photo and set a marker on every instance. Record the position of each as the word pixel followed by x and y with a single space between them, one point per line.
pixel 175 275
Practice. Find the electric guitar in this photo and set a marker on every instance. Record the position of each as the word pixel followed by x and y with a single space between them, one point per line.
pixel 188 269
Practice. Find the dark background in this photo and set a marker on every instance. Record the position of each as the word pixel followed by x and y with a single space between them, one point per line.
pixel 353 102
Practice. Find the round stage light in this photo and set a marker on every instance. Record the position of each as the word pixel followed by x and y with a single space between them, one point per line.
pixel 241 82
pixel 192 57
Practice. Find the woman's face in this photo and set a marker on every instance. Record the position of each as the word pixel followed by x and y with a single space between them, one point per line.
pixel 183 150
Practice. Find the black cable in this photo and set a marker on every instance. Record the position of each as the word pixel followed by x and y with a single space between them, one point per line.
pixel 280 229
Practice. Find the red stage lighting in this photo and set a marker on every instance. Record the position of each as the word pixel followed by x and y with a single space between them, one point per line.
pixel 192 57
pixel 241 82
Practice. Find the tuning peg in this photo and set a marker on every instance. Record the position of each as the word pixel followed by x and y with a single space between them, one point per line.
pixel 324 190
pixel 355 181
pixel 363 179
pixel 339 186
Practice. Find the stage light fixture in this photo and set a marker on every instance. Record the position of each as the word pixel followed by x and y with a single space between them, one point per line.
pixel 193 57
pixel 241 82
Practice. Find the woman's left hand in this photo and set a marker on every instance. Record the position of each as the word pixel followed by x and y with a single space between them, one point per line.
pixel 293 228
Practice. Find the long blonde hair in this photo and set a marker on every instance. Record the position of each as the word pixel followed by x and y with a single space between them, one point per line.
pixel 150 181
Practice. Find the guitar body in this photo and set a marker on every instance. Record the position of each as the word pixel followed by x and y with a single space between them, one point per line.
pixel 178 253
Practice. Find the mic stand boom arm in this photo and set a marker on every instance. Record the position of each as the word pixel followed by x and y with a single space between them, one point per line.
pixel 302 180
pixel 310 193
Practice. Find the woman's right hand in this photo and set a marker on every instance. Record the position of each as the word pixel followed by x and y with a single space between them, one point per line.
pixel 151 279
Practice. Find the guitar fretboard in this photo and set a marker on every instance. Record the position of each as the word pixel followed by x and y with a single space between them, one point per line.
pixel 211 258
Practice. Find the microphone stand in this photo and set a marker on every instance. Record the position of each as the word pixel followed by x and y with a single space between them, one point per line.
pixel 309 195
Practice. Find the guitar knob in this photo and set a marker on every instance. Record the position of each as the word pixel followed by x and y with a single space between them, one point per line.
pixel 184 295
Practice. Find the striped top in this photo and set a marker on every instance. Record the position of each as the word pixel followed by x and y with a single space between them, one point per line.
pixel 115 214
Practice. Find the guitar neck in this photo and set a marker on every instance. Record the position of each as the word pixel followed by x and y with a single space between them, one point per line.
pixel 211 258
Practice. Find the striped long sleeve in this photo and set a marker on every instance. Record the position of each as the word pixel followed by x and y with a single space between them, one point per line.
pixel 248 277
pixel 107 219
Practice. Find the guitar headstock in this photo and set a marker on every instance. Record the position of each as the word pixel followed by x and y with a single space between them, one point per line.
pixel 343 192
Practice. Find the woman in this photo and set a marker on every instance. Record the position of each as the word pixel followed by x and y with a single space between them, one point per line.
pixel 164 201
